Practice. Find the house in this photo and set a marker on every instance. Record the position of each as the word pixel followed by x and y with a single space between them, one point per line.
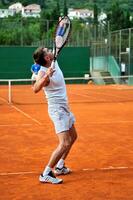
pixel 4 13
pixel 32 10
pixel 16 8
pixel 80 13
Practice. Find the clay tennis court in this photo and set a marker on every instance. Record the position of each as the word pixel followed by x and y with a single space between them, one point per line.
pixel 101 160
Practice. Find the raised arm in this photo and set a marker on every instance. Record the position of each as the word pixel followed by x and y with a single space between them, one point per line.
pixel 43 79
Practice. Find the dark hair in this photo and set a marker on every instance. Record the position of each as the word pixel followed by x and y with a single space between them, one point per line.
pixel 38 56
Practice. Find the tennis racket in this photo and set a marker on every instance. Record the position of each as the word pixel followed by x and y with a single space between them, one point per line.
pixel 62 34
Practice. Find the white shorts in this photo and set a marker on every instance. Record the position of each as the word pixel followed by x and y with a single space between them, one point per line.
pixel 61 116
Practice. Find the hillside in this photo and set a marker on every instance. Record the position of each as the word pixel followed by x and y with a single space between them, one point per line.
pixel 102 4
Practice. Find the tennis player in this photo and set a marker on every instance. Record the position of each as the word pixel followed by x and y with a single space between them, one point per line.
pixel 52 82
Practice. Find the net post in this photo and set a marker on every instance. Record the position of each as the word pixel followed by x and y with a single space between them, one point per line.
pixel 9 92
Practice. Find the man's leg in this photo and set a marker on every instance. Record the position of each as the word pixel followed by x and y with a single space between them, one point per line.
pixel 64 145
pixel 73 136
pixel 60 167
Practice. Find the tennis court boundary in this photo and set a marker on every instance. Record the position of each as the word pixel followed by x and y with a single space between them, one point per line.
pixel 26 115
pixel 109 168
pixel 15 125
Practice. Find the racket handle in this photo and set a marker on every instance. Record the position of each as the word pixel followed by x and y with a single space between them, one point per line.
pixel 53 64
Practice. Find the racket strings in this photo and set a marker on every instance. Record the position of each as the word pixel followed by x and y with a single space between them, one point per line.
pixel 62 32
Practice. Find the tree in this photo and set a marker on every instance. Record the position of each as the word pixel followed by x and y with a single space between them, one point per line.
pixel 56 12
pixel 42 3
pixel 95 14
pixel 117 17
pixel 95 10
pixel 65 10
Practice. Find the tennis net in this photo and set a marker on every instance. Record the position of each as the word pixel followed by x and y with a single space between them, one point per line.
pixel 19 91
pixel 80 89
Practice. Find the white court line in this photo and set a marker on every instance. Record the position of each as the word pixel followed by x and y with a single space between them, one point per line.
pixel 8 125
pixel 3 99
pixel 87 96
pixel 111 122
pixel 107 168
pixel 17 173
pixel 100 99
pixel 110 168
pixel 124 88
pixel 25 114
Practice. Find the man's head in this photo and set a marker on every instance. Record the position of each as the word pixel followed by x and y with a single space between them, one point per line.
pixel 43 56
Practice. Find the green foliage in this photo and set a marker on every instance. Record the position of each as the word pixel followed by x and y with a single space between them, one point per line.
pixel 117 17
pixel 102 4
pixel 28 31
pixel 65 10
pixel 95 14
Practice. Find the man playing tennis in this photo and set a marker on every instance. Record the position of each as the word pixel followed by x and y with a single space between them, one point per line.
pixel 51 80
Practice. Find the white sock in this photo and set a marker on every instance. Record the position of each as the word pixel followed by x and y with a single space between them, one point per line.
pixel 60 163
pixel 47 170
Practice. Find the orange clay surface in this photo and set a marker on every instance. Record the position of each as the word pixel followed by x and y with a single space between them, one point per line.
pixel 101 159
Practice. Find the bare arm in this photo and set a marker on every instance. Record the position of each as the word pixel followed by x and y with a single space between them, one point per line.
pixel 43 79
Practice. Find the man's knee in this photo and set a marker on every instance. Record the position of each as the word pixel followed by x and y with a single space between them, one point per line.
pixel 73 136
pixel 65 145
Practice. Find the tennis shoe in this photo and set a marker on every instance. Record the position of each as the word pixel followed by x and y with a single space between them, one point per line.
pixel 63 171
pixel 49 178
